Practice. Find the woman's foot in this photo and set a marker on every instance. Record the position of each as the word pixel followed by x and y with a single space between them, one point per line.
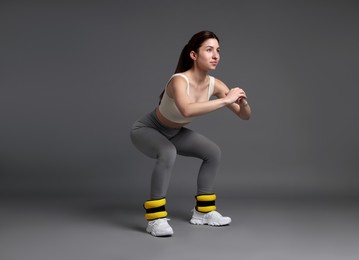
pixel 213 218
pixel 159 228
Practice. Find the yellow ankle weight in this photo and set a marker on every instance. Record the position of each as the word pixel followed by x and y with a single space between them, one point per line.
pixel 155 209
pixel 206 203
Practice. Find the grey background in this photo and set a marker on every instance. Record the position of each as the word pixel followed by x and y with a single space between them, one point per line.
pixel 75 75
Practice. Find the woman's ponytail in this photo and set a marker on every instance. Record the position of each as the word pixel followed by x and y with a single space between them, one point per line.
pixel 184 62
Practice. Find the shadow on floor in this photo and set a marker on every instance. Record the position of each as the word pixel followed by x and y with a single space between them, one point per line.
pixel 128 216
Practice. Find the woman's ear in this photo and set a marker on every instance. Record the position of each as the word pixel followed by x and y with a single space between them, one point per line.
pixel 193 55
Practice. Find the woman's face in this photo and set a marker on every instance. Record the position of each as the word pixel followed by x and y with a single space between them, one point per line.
pixel 207 57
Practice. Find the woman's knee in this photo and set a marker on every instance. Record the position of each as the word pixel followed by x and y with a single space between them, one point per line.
pixel 213 152
pixel 216 152
pixel 167 155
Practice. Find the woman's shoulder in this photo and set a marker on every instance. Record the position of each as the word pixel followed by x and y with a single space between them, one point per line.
pixel 219 83
pixel 219 87
pixel 180 75
pixel 178 78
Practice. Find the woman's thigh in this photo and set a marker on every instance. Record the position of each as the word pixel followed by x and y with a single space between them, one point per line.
pixel 191 143
pixel 150 142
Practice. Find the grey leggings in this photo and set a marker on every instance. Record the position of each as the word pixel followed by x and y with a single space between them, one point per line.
pixel 163 144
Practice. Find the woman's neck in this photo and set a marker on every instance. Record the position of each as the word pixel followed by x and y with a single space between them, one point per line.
pixel 198 76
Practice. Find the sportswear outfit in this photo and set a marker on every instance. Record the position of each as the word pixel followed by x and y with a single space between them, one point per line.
pixel 163 143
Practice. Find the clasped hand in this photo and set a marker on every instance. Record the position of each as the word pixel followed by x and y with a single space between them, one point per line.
pixel 235 95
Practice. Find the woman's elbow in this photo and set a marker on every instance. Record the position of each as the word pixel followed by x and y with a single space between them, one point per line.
pixel 245 117
pixel 186 113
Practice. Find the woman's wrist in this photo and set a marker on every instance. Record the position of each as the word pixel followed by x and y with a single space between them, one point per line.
pixel 226 102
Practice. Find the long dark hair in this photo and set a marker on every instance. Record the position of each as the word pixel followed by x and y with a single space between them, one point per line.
pixel 185 62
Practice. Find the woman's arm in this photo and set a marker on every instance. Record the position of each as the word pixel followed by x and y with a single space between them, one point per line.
pixel 177 89
pixel 241 107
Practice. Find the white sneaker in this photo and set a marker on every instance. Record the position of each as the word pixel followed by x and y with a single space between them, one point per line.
pixel 159 228
pixel 212 218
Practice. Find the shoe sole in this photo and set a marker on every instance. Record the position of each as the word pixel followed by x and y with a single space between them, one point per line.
pixel 164 235
pixel 201 222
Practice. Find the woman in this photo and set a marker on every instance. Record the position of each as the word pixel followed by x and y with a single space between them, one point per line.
pixel 162 134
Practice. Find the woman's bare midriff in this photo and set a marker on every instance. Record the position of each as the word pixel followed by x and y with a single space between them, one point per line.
pixel 164 121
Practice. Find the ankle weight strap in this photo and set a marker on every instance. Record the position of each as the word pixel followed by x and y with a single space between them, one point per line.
pixel 206 203
pixel 155 209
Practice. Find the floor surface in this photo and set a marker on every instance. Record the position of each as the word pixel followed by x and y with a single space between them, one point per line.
pixel 262 229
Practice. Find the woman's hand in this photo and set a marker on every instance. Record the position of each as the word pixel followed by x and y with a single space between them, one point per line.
pixel 235 95
pixel 235 99
pixel 242 100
